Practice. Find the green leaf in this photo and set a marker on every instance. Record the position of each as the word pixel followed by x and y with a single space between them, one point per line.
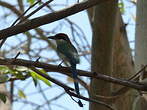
pixel 37 76
pixel 4 69
pixel 3 97
pixel 20 71
pixel 31 1
pixel 121 6
pixel 21 94
pixel 34 77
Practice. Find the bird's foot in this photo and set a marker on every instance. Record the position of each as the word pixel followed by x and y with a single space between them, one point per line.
pixel 60 65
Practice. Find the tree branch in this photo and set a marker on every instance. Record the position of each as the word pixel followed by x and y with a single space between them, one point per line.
pixel 69 90
pixel 48 18
pixel 66 71
pixel 51 79
pixel 11 7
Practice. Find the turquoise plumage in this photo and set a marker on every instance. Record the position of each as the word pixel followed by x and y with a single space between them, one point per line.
pixel 68 53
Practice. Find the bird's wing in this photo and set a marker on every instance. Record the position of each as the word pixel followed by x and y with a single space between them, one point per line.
pixel 70 53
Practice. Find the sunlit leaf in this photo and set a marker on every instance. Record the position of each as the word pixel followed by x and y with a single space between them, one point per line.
pixel 21 94
pixel 37 76
pixel 34 77
pixel 121 6
pixel 4 69
pixel 31 1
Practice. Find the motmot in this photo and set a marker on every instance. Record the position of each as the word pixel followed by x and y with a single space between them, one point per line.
pixel 69 53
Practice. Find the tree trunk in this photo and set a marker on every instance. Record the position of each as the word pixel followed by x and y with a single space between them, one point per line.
pixel 102 43
pixel 141 45
pixel 141 35
pixel 123 66
pixel 111 54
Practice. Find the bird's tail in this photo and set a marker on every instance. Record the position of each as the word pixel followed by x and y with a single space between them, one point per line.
pixel 75 77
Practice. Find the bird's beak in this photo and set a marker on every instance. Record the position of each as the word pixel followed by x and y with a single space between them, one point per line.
pixel 51 37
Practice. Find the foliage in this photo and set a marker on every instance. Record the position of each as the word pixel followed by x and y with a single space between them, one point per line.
pixel 21 94
pixel 31 1
pixel 121 6
pixel 36 76
pixel 21 73
pixel 3 97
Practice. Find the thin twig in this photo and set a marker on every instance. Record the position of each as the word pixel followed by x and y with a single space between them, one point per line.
pixel 40 7
pixel 37 60
pixel 11 91
pixel 17 55
pixel 22 15
pixel 88 99
pixel 68 89
pixel 48 18
pixel 24 18
pixel 123 90
pixel 3 41
pixel 135 75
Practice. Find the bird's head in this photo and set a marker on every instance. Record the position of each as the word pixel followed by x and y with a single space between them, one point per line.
pixel 60 36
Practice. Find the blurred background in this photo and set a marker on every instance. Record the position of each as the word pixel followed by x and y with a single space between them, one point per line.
pixel 34 44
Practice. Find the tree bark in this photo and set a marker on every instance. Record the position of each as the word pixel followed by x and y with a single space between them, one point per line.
pixel 111 54
pixel 123 66
pixel 102 43
pixel 141 35
pixel 141 45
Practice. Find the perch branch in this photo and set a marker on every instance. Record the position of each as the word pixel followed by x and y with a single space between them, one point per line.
pixel 66 71
pixel 69 90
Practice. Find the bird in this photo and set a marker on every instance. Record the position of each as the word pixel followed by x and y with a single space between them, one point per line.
pixel 69 53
